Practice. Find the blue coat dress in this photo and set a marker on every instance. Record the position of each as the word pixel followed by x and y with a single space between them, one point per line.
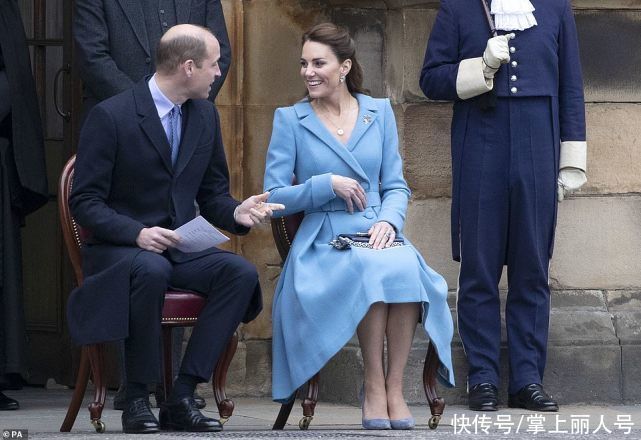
pixel 324 293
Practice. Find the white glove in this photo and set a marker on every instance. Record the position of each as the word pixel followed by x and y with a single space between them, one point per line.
pixel 570 179
pixel 497 52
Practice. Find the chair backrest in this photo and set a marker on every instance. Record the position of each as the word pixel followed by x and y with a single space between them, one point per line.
pixel 70 230
pixel 284 229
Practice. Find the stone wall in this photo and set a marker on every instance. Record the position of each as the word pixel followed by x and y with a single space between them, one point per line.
pixel 596 270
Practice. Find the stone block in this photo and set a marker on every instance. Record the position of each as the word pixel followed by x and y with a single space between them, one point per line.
pixel 259 360
pixel 622 300
pixel 578 300
pixel 631 359
pixel 581 328
pixel 613 148
pixel 272 49
pixel 610 38
pixel 406 39
pixel 426 146
pixel 428 228
pixel 628 326
pixel 366 26
pixel 584 374
pixel 258 129
pixel 597 244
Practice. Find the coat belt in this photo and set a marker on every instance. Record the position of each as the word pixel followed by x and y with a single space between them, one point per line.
pixel 338 204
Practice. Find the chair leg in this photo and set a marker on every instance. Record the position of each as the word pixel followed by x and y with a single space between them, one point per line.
pixel 437 404
pixel 283 415
pixel 78 393
pixel 96 354
pixel 167 369
pixel 225 405
pixel 309 402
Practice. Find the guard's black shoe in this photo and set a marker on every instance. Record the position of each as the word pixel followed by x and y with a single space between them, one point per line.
pixel 137 418
pixel 532 397
pixel 7 403
pixel 199 401
pixel 184 416
pixel 483 397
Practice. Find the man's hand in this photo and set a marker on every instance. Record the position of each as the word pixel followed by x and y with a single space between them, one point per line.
pixel 254 210
pixel 351 191
pixel 497 52
pixel 157 239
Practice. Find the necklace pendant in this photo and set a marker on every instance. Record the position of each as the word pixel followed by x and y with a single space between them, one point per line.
pixel 340 132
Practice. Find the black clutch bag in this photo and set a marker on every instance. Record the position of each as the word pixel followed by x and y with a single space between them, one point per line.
pixel 360 239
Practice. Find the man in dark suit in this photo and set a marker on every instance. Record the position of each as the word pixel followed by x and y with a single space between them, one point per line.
pixel 23 189
pixel 144 157
pixel 116 40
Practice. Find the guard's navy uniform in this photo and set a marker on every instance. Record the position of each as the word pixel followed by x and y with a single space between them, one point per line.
pixel 505 163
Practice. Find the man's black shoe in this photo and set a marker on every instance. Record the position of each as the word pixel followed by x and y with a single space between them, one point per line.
pixel 532 397
pixel 137 418
pixel 199 402
pixel 7 403
pixel 184 416
pixel 483 397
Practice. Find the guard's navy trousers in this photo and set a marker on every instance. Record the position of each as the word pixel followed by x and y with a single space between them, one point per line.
pixel 507 204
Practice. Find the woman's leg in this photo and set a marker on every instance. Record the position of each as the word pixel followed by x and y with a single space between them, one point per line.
pixel 401 324
pixel 371 336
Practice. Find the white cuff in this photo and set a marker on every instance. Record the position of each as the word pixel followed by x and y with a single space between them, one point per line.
pixel 573 154
pixel 470 81
pixel 235 212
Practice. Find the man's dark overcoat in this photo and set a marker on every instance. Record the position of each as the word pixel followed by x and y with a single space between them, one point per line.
pixel 125 182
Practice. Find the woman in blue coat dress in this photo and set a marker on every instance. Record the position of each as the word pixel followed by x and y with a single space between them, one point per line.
pixel 342 147
pixel 507 161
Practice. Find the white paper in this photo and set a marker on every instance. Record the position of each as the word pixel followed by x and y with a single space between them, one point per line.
pixel 198 235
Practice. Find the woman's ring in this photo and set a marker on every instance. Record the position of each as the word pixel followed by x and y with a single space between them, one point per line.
pixel 388 234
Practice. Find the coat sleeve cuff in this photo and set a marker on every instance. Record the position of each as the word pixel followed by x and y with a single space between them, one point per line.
pixel 573 154
pixel 470 81
pixel 322 191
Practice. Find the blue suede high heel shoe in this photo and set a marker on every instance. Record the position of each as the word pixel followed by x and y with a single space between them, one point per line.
pixel 403 424
pixel 372 423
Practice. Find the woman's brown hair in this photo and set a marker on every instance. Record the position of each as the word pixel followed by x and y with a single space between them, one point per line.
pixel 342 45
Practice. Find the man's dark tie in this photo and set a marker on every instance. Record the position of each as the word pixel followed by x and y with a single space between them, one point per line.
pixel 174 134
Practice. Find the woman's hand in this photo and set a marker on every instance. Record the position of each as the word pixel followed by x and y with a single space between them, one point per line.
pixel 381 235
pixel 351 191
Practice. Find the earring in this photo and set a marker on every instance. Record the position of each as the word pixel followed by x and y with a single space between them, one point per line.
pixel 341 78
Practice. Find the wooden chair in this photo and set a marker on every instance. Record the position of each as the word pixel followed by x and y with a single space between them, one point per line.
pixel 284 229
pixel 180 309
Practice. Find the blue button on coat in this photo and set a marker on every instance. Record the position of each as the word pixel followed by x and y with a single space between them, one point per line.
pixel 324 293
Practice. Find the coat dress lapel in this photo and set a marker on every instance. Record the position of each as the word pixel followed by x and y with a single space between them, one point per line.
pixel 366 116
pixel 133 12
